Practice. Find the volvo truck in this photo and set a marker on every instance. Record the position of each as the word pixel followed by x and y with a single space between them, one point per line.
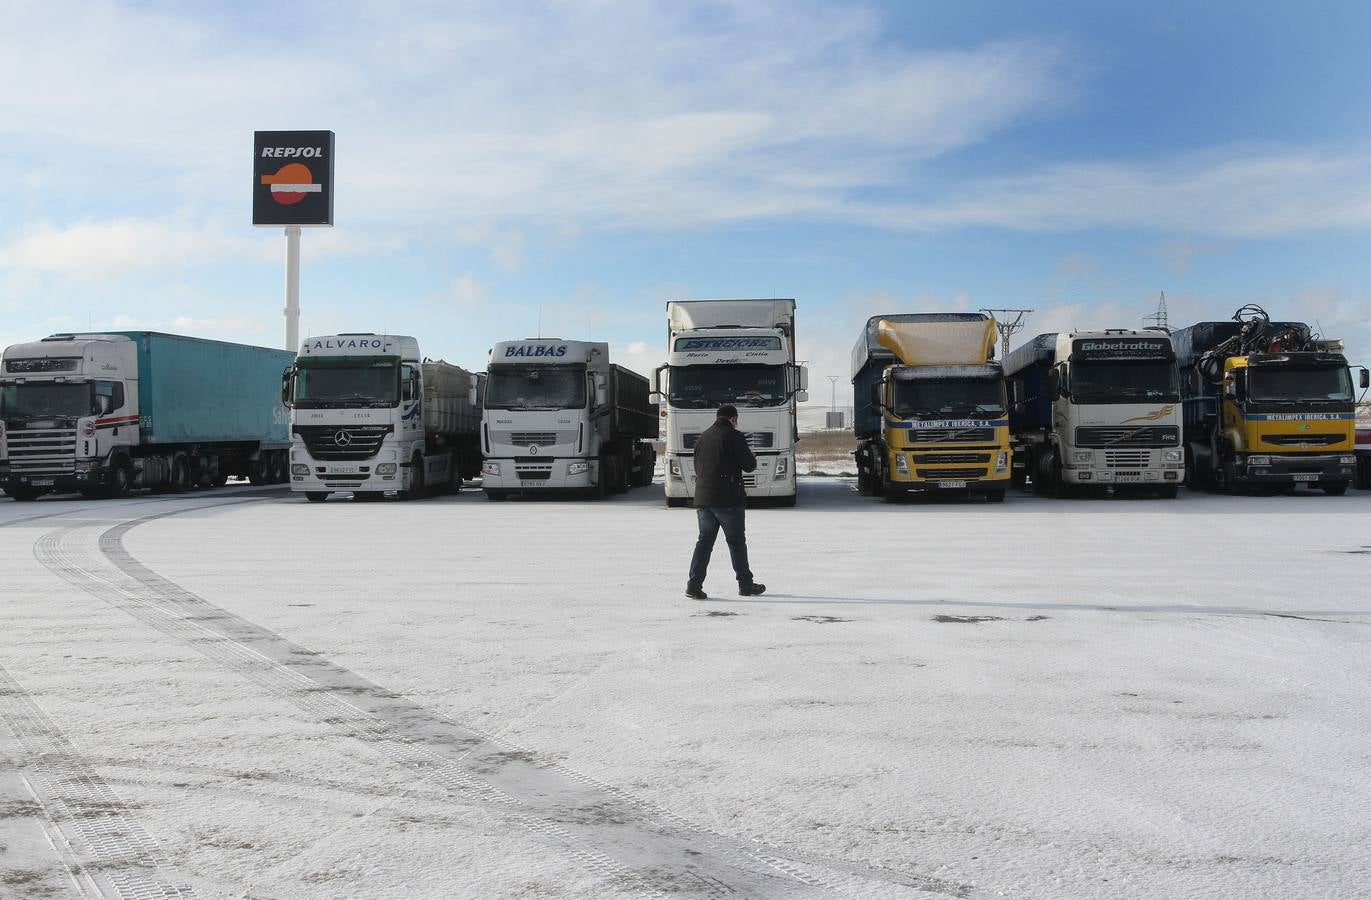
pixel 1096 409
pixel 1267 405
pixel 739 353
pixel 929 406
pixel 560 417
pixel 370 416
pixel 105 413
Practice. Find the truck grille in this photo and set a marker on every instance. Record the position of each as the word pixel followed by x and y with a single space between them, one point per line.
pixel 343 442
pixel 941 435
pixel 1126 459
pixel 533 438
pixel 44 451
pixel 757 440
pixel 1124 436
pixel 950 474
pixel 950 458
pixel 530 473
pixel 1295 440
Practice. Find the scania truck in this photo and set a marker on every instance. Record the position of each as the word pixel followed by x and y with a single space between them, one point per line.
pixel 560 417
pixel 1266 404
pixel 929 406
pixel 741 353
pixel 369 415
pixel 1096 409
pixel 104 413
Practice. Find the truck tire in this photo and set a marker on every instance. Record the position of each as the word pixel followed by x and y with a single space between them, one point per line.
pixel 316 496
pixel 257 474
pixel 178 482
pixel 1334 490
pixel 120 480
pixel 416 480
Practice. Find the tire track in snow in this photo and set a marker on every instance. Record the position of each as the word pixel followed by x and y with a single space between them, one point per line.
pixel 631 842
pixel 90 826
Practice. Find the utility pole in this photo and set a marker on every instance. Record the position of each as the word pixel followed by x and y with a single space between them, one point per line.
pixel 833 400
pixel 1008 322
pixel 1158 318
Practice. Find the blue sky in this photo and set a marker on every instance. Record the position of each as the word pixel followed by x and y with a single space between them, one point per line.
pixel 580 163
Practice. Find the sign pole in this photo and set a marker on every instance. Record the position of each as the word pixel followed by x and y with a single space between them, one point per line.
pixel 292 287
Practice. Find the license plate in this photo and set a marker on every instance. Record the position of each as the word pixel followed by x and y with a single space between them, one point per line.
pixel 344 470
pixel 532 484
pixel 41 482
pixel 1127 477
pixel 1296 477
pixel 952 484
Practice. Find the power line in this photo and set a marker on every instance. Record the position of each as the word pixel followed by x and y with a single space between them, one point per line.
pixel 1007 326
pixel 1158 318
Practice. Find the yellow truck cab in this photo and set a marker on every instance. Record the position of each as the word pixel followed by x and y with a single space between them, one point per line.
pixel 1266 405
pixel 929 406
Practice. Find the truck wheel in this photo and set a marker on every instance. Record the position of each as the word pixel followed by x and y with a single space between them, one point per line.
pixel 416 479
pixel 120 480
pixel 316 496
pixel 1335 490
pixel 179 482
pixel 257 474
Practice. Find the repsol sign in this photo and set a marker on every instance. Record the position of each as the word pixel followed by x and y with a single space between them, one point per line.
pixel 292 178
pixel 541 351
pixel 361 343
pixel 293 152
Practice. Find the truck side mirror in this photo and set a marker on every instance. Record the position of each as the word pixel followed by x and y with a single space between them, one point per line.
pixel 601 394
pixel 1365 380
pixel 286 378
pixel 802 396
pixel 1054 386
pixel 655 397
pixel 804 377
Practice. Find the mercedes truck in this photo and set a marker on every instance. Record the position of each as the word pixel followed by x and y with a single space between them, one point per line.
pixel 1096 409
pixel 741 353
pixel 369 416
pixel 105 413
pixel 1267 405
pixel 560 417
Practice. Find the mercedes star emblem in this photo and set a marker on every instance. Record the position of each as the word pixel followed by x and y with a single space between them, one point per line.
pixel 343 439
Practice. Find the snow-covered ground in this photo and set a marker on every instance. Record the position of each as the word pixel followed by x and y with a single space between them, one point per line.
pixel 241 694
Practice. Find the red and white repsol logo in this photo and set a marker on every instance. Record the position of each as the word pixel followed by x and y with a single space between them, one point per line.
pixel 293 152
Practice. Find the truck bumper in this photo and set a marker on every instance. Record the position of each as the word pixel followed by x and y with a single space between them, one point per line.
pixel 973 484
pixel 1145 466
pixel 1123 476
pixel 774 477
pixel 1311 468
pixel 546 474
pixel 83 476
pixel 380 473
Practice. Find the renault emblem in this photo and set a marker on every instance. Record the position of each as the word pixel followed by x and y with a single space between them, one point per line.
pixel 533 450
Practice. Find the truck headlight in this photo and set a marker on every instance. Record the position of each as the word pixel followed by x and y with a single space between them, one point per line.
pixel 782 465
pixel 578 468
pixel 490 468
pixel 900 465
pixel 299 469
pixel 1002 461
pixel 675 468
pixel 1081 456
pixel 1173 456
pixel 386 469
pixel 1259 460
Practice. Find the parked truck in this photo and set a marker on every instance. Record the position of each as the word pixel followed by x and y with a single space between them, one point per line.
pixel 1266 405
pixel 738 352
pixel 370 415
pixel 559 416
pixel 1363 454
pixel 1096 408
pixel 105 413
pixel 929 406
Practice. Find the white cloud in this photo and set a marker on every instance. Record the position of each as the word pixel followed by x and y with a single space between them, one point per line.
pixel 467 292
pixel 100 247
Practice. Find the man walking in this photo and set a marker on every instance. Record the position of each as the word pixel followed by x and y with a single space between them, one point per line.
pixel 721 458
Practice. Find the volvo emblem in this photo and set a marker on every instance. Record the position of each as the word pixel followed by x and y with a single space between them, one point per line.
pixel 533 450
pixel 343 439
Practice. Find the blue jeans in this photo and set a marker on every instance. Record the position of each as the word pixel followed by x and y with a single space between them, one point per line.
pixel 711 519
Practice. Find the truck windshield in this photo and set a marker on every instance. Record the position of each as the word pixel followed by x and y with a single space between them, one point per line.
pixel 929 398
pixel 347 381
pixel 1123 382
pixel 40 400
pixel 1299 384
pixel 536 387
pixel 708 387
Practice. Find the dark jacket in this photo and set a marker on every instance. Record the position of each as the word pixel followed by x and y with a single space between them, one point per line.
pixel 721 458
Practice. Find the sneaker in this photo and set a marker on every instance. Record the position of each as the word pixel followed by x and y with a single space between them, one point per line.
pixel 754 589
pixel 696 593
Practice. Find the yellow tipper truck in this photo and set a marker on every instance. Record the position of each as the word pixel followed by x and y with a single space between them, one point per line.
pixel 1266 405
pixel 929 406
